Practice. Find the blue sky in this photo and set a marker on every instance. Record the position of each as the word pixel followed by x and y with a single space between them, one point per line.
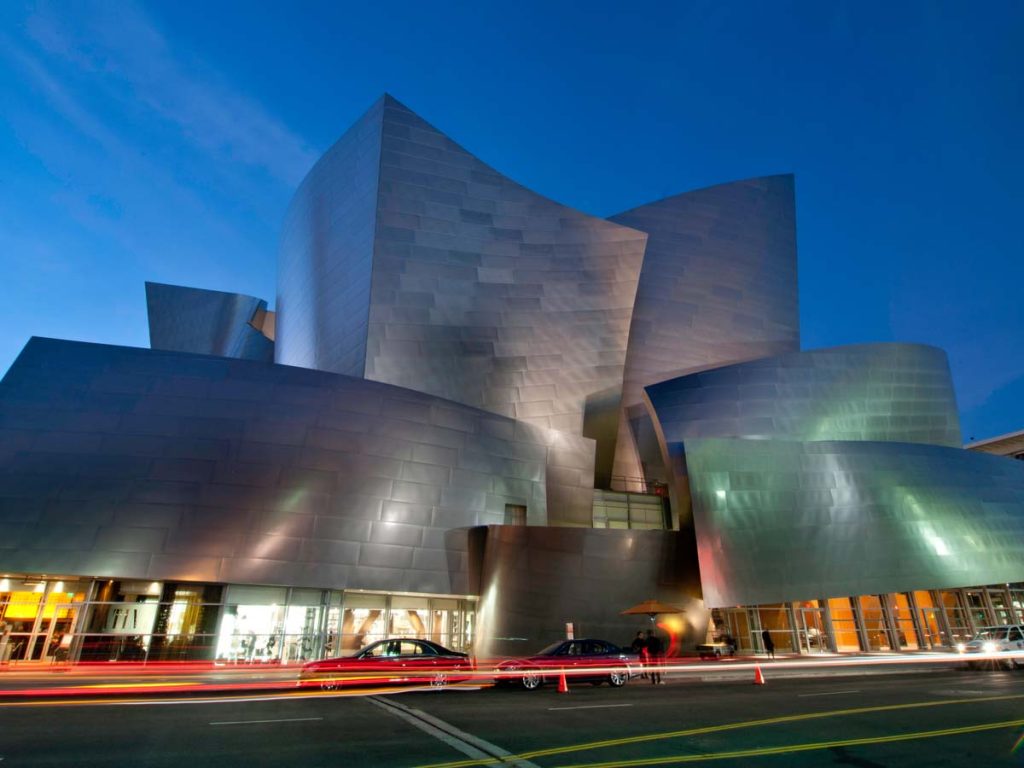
pixel 163 142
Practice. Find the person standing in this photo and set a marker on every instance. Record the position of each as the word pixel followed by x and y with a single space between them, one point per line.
pixel 639 647
pixel 656 656
pixel 769 645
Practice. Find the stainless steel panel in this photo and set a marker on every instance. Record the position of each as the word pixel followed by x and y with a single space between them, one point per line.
pixel 405 254
pixel 718 285
pixel 534 580
pixel 261 521
pixel 881 392
pixel 205 322
pixel 883 517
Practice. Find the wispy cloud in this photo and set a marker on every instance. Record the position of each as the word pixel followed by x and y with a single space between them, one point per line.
pixel 120 44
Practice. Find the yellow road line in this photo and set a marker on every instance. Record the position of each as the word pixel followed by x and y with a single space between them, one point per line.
pixel 606 743
pixel 784 750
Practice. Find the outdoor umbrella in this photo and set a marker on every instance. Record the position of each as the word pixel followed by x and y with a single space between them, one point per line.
pixel 651 608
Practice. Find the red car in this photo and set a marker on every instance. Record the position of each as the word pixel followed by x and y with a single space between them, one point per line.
pixel 593 661
pixel 387 662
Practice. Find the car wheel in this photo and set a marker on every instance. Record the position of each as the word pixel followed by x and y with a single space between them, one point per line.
pixel 617 679
pixel 439 680
pixel 532 680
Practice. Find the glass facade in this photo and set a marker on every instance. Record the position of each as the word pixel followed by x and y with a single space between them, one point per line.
pixel 638 511
pixel 103 621
pixel 917 621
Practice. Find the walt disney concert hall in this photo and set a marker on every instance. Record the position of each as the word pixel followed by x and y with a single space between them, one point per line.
pixel 477 416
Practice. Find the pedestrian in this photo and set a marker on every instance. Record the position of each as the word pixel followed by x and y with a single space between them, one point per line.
pixel 639 647
pixel 656 656
pixel 769 646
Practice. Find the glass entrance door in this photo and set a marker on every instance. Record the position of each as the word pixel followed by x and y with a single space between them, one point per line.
pixel 812 631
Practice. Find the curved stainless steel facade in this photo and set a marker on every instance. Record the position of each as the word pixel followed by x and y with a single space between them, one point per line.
pixel 884 392
pixel 477 290
pixel 718 286
pixel 781 520
pixel 326 255
pixel 835 472
pixel 534 580
pixel 206 322
pixel 155 465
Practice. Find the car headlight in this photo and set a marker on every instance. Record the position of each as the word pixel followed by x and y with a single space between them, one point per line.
pixel 989 647
pixel 960 647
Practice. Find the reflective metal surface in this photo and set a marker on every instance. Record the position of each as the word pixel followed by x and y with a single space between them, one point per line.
pixel 886 392
pixel 446 277
pixel 835 472
pixel 782 520
pixel 718 286
pixel 206 322
pixel 534 580
pixel 134 463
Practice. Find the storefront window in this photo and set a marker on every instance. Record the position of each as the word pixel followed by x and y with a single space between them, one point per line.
pixel 776 619
pixel 409 617
pixel 844 626
pixel 874 623
pixel 253 626
pixel 362 621
pixel 903 621
pixel 956 614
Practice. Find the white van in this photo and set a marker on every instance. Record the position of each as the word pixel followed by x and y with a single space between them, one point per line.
pixel 993 642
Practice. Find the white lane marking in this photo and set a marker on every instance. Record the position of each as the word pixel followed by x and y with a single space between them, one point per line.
pixel 466 743
pixel 589 706
pixel 826 693
pixel 279 720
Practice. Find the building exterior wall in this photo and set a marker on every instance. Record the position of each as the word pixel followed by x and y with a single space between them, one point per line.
pixel 882 392
pixel 206 322
pixel 325 257
pixel 718 286
pixel 782 520
pixel 535 580
pixel 135 463
pixel 482 291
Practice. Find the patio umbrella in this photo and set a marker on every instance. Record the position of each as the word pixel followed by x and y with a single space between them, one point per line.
pixel 651 608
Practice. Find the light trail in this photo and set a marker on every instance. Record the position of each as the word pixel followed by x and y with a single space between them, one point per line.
pixel 182 679
pixel 610 743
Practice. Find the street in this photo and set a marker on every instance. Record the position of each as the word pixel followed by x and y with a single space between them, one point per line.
pixel 936 717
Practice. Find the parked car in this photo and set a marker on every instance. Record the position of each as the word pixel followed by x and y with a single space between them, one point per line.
pixel 995 640
pixel 389 662
pixel 593 661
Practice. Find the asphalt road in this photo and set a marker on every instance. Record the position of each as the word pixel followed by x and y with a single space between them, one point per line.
pixel 934 718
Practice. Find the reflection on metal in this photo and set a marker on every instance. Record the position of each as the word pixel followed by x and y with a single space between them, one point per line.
pixel 408 261
pixel 718 285
pixel 169 466
pixel 208 322
pixel 782 520
pixel 885 392
pixel 832 472
pixel 536 579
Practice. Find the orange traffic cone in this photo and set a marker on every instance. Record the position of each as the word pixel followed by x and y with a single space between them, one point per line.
pixel 758 677
pixel 563 687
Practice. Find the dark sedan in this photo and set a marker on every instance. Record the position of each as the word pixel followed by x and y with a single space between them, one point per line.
pixel 390 662
pixel 593 661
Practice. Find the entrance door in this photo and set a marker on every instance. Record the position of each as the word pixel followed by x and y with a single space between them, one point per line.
pixel 812 631
pixel 59 633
